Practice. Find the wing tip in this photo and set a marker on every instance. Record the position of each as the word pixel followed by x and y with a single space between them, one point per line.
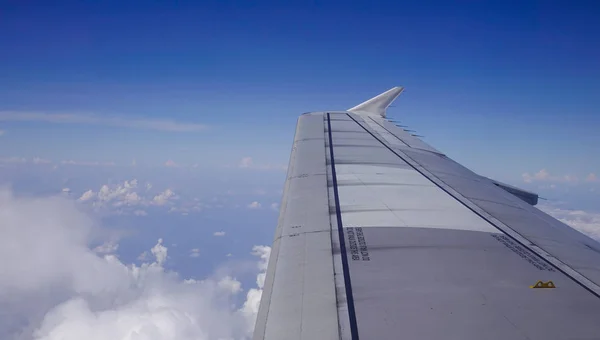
pixel 378 105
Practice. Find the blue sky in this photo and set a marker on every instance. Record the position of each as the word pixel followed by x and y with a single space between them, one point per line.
pixel 502 88
pixel 200 99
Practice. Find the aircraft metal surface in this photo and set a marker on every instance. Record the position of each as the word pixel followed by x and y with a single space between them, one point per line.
pixel 382 236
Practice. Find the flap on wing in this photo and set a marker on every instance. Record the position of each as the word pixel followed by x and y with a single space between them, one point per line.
pixel 527 196
pixel 379 104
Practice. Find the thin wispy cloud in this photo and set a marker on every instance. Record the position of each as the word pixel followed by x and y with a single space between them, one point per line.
pixel 87 163
pixel 249 163
pixel 245 162
pixel 39 160
pixel 545 176
pixel 13 160
pixel 93 119
pixel 195 252
pixel 107 248
pixel 44 161
pixel 171 164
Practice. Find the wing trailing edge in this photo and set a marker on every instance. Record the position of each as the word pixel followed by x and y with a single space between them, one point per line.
pixel 378 105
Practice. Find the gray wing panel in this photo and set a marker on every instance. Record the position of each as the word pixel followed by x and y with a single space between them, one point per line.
pixel 299 300
pixel 381 237
pixel 559 241
pixel 423 264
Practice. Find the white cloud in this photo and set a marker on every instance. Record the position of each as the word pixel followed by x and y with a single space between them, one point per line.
pixel 86 196
pixel 183 210
pixel 250 307
pixel 107 248
pixel 230 285
pixel 248 163
pixel 171 164
pixel 130 197
pixel 160 252
pixel 131 184
pixel 90 119
pixel 55 287
pixel 66 190
pixel 23 160
pixel 245 162
pixel 87 163
pixel 38 160
pixel 125 195
pixel 195 252
pixel 13 160
pixel 254 205
pixel 570 178
pixel 275 206
pixel 263 252
pixel 119 194
pixel 544 176
pixel 219 233
pixel 586 222
pixel 143 256
pixel 163 197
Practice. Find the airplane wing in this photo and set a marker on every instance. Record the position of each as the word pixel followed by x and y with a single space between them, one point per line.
pixel 382 236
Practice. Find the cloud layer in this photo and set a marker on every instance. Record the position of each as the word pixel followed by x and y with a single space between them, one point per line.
pixel 128 194
pixel 249 163
pixel 53 286
pixel 584 221
pixel 91 119
pixel 545 176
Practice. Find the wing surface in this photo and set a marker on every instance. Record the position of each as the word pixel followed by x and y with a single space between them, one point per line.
pixel 381 236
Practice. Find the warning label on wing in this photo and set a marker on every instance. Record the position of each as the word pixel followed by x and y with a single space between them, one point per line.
pixel 357 244
pixel 523 253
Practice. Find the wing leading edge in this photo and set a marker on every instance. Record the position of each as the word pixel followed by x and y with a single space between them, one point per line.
pixel 381 236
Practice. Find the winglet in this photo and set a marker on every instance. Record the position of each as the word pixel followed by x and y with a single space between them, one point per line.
pixel 379 104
